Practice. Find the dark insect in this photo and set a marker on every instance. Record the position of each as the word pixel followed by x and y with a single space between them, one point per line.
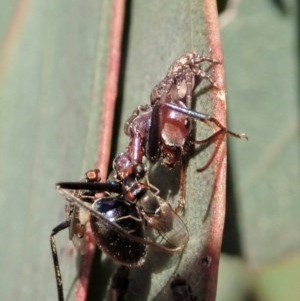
pixel 119 220
pixel 181 290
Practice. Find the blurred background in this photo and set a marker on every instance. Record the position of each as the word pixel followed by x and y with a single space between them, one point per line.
pixel 51 81
pixel 261 240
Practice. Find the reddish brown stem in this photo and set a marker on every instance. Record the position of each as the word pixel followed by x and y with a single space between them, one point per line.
pixel 217 206
pixel 106 126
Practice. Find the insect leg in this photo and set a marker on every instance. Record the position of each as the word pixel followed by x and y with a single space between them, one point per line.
pixel 59 284
pixel 153 141
pixel 110 186
pixel 206 119
pixel 204 58
pixel 211 159
pixel 181 203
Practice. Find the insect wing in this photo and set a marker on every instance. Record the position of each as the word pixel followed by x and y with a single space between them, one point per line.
pixel 171 239
pixel 76 237
pixel 171 228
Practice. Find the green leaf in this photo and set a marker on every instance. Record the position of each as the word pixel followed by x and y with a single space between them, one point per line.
pixel 261 59
pixel 159 32
pixel 53 66
pixel 49 121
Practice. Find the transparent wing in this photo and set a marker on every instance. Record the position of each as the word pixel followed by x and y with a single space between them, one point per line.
pixel 173 236
pixel 77 227
pixel 170 227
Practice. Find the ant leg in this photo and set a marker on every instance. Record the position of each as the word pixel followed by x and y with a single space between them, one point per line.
pixel 206 119
pixel 181 203
pixel 153 147
pixel 111 186
pixel 233 134
pixel 189 85
pixel 211 159
pixel 58 277
pixel 156 191
pixel 203 74
pixel 204 58
pixel 211 138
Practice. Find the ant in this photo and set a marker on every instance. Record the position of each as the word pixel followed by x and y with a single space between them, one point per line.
pixel 131 205
pixel 181 78
pixel 170 135
pixel 118 220
pixel 163 130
